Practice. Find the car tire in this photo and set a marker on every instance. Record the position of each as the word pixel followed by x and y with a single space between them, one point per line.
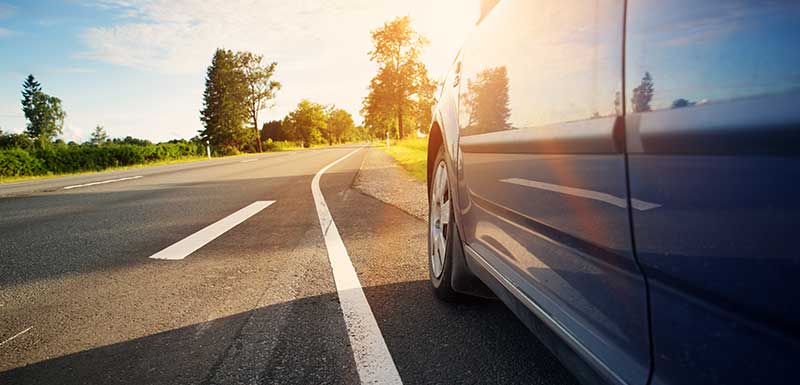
pixel 441 223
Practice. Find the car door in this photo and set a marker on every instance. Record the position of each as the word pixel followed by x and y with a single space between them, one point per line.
pixel 543 193
pixel 714 140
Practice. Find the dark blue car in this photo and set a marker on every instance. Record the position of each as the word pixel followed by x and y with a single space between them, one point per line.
pixel 624 175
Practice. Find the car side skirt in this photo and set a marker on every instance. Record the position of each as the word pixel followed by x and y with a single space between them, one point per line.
pixel 577 358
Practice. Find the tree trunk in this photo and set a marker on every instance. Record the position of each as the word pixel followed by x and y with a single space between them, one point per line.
pixel 258 137
pixel 400 122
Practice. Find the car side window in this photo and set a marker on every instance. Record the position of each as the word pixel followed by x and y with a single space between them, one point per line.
pixel 536 63
pixel 685 53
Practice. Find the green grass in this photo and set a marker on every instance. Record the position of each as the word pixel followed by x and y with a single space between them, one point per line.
pixel 411 154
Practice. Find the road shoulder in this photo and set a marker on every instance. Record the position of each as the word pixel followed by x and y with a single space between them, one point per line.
pixel 381 178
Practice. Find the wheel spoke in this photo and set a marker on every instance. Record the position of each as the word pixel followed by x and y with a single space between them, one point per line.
pixel 439 218
pixel 442 184
pixel 435 259
pixel 442 250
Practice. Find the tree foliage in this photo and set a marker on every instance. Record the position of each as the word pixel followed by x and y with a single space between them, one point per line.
pixel 307 122
pixel 273 130
pixel 401 90
pixel 238 87
pixel 224 108
pixel 43 112
pixel 261 88
pixel 99 136
pixel 486 101
pixel 643 94
pixel 340 126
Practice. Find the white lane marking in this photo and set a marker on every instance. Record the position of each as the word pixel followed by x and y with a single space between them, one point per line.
pixel 188 245
pixel 578 192
pixel 101 182
pixel 373 360
pixel 16 335
pixel 249 160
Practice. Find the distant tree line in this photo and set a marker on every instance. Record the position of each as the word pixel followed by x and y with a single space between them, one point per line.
pixel 39 151
pixel 239 86
pixel 313 123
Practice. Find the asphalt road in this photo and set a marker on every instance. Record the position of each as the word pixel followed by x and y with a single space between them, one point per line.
pixel 81 302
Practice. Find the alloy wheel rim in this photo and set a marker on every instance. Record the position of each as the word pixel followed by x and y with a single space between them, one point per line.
pixel 439 219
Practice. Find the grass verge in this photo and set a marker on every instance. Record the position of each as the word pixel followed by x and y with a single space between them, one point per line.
pixel 411 154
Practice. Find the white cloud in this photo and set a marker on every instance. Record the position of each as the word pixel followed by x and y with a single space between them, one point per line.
pixel 73 133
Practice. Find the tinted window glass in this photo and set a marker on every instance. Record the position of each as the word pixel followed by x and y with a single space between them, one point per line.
pixel 684 53
pixel 535 63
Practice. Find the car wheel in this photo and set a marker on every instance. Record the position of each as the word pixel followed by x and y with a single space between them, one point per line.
pixel 442 232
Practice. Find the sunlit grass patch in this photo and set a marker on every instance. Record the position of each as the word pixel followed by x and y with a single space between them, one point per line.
pixel 411 154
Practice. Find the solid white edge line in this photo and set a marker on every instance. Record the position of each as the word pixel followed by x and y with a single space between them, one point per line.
pixel 373 361
pixel 101 182
pixel 190 244
pixel 16 335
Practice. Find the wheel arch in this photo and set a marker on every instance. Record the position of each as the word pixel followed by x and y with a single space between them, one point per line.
pixel 462 279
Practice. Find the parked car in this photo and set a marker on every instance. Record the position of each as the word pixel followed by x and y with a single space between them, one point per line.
pixel 624 175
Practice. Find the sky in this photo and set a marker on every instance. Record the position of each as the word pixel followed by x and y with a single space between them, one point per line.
pixel 137 67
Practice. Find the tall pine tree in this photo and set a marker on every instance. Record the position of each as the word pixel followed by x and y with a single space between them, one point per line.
pixel 224 112
pixel 43 112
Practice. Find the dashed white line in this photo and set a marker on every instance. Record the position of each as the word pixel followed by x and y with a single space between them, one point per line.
pixel 101 182
pixel 249 160
pixel 373 361
pixel 190 244
pixel 589 194
pixel 16 335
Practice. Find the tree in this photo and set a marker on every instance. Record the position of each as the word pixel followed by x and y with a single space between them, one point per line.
pixel 681 102
pixel 224 107
pixel 133 141
pixel 487 102
pixel 99 136
pixel 260 86
pixel 307 122
pixel 402 80
pixel 10 140
pixel 273 130
pixel 425 103
pixel 643 94
pixel 340 125
pixel 43 112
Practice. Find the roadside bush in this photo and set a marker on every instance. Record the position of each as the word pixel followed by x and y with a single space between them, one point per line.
pixel 17 162
pixel 280 145
pixel 10 141
pixel 59 159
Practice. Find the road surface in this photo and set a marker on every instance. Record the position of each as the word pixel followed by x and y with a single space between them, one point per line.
pixel 241 289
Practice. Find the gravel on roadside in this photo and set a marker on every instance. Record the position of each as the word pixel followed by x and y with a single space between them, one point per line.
pixel 380 177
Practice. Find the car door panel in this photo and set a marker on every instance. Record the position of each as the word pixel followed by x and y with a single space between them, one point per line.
pixel 543 195
pixel 715 143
